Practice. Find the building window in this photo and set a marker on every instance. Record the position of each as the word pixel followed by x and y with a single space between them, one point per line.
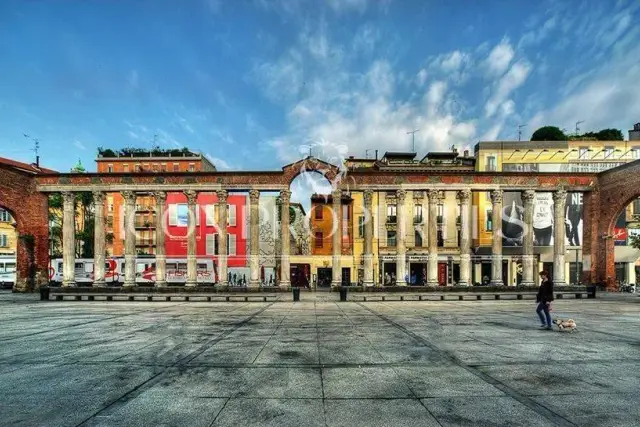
pixel 125 168
pixel 418 238
pixel 110 207
pixel 417 214
pixel 163 167
pixel 176 167
pixel 318 212
pixel 391 238
pixel 391 214
pixel 440 239
pixel 110 168
pixel 440 218
pixel 608 151
pixel 318 239
pixel 5 216
pixel 231 215
pixel 635 152
pixel 179 215
pixel 210 214
pixel 146 167
pixel 489 221
pixel 361 226
pixel 4 241
pixel 231 244
pixel 192 167
pixel 636 207
pixel 156 167
pixel 491 163
pixel 211 244
pixel 138 167
pixel 110 221
pixel 583 152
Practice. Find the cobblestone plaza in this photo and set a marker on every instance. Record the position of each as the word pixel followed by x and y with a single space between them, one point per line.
pixel 317 362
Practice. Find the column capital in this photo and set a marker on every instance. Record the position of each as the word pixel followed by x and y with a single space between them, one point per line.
pixel 129 196
pixel 68 196
pixel 464 196
pixel 560 196
pixel 336 195
pixel 285 196
pixel 434 196
pixel 98 197
pixel 160 196
pixel 222 196
pixel 528 196
pixel 401 195
pixel 368 198
pixel 496 196
pixel 192 196
pixel 254 196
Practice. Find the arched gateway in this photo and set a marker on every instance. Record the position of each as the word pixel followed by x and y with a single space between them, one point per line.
pixel 606 194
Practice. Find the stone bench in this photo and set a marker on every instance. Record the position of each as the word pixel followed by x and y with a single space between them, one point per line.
pixel 96 296
pixel 512 296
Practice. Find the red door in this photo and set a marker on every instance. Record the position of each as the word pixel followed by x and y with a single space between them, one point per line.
pixel 442 273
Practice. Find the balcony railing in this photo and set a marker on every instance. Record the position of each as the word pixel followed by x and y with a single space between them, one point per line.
pixel 145 242
pixel 439 220
pixel 417 219
pixel 391 219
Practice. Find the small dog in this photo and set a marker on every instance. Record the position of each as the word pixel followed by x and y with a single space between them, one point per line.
pixel 569 325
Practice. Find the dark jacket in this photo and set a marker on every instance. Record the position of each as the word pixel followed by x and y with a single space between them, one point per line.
pixel 545 292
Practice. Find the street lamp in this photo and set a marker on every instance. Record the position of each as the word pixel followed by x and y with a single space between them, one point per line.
pixel 514 152
pixel 525 154
pixel 569 152
pixel 540 153
pixel 559 151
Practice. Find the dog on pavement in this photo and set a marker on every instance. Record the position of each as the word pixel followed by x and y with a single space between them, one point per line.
pixel 566 325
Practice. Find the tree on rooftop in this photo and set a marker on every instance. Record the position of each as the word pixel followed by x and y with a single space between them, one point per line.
pixel 549 133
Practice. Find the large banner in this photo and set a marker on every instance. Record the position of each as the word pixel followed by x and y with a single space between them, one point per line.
pixel 513 226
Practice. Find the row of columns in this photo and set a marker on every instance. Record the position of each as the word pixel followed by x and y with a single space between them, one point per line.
pixel 434 198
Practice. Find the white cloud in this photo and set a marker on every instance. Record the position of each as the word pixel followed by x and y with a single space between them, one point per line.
pixel 79 144
pixel 366 38
pixel 499 58
pixel 282 79
pixel 221 164
pixel 421 77
pixel 513 79
pixel 452 66
pixel 133 79
pixel 342 6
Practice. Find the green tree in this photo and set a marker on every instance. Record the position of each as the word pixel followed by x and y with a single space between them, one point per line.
pixel 549 133
pixel 84 236
pixel 610 135
pixel 635 242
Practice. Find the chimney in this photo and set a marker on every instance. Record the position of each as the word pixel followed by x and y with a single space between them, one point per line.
pixel 376 154
pixel 466 153
pixel 38 162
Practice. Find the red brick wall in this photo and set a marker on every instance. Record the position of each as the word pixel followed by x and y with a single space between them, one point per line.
pixel 29 208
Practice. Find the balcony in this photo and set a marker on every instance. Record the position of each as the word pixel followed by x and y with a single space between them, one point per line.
pixel 439 220
pixel 392 219
pixel 145 242
pixel 417 219
pixel 144 225
pixel 145 208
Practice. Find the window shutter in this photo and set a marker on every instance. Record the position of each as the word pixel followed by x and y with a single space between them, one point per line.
pixel 209 212
pixel 173 214
pixel 231 214
pixel 231 244
pixel 211 244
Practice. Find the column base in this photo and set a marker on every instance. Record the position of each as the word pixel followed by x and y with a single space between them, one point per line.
pixel 433 283
pixel 368 284
pixel 336 284
pixel 162 284
pixel 254 283
pixel 284 285
pixel 401 283
pixel 100 284
pixel 225 283
pixel 496 283
pixel 129 284
pixel 191 284
pixel 523 283
pixel 559 283
pixel 69 284
pixel 464 284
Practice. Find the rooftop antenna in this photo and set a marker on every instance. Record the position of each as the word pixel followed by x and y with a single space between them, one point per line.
pixel 413 139
pixel 366 153
pixel 36 148
pixel 520 131
pixel 578 126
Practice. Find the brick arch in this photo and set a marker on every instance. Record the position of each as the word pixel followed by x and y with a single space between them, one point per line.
pixel 310 164
pixel 29 208
pixel 615 189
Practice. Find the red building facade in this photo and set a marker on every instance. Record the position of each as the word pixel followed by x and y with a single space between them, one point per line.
pixel 206 245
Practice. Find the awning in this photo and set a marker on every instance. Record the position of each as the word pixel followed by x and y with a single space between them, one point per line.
pixel 626 254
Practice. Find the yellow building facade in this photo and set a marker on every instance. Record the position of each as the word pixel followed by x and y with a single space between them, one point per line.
pixel 8 233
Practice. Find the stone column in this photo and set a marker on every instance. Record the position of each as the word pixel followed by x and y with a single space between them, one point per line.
pixel 336 238
pixel 161 257
pixel 368 238
pixel 68 239
pixel 98 239
pixel 192 263
pixel 401 234
pixel 254 231
pixel 129 239
pixel 285 198
pixel 496 246
pixel 465 239
pixel 223 270
pixel 528 273
pixel 559 203
pixel 432 265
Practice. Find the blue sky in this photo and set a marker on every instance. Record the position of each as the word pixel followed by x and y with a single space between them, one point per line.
pixel 253 83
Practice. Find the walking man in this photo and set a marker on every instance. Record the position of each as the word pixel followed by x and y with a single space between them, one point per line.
pixel 544 298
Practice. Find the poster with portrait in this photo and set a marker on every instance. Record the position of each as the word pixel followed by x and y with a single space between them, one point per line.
pixel 513 226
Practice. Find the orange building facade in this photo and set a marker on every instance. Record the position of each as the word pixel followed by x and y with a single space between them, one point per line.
pixel 145 203
pixel 322 219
